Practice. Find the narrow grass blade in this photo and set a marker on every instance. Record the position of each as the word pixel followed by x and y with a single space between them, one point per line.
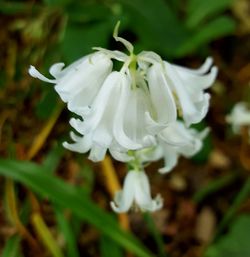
pixel 36 178
pixel 69 236
pixel 11 248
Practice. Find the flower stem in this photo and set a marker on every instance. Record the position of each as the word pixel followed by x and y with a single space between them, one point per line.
pixel 241 196
pixel 135 164
pixel 213 187
pixel 113 186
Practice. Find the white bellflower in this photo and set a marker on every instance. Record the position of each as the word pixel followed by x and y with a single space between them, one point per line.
pixel 136 193
pixel 133 112
pixel 124 110
pixel 174 141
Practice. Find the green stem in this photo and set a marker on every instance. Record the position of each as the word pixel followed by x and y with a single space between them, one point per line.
pixel 213 187
pixel 135 164
pixel 241 197
pixel 156 235
pixel 132 68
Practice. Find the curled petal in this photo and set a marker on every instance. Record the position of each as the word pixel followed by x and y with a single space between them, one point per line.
pixel 76 124
pixel 198 82
pixel 120 156
pixel 56 69
pixel 170 159
pixel 193 112
pixel 81 145
pixel 201 70
pixel 189 143
pixel 36 74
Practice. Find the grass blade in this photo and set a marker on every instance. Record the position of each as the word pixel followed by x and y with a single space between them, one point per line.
pixel 36 178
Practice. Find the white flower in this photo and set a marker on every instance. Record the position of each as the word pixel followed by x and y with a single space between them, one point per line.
pixel 128 109
pixel 177 140
pixel 136 192
pixel 239 116
pixel 162 99
pixel 175 88
pixel 79 83
pixel 103 126
pixel 174 141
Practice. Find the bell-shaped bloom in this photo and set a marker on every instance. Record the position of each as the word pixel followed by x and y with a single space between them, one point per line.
pixel 104 125
pixel 135 125
pixel 174 141
pixel 133 108
pixel 177 140
pixel 174 88
pixel 79 83
pixel 162 99
pixel 189 88
pixel 136 193
pixel 239 117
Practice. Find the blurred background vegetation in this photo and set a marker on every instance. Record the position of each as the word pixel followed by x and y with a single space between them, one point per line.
pixel 56 203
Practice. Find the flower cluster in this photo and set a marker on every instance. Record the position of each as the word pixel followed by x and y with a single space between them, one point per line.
pixel 134 109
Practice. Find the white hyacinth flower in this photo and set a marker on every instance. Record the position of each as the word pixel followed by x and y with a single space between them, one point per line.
pixel 174 88
pixel 128 109
pixel 79 83
pixel 174 141
pixel 136 193
pixel 177 140
pixel 239 117
pixel 103 126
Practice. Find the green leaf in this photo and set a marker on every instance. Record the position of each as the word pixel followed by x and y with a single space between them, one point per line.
pixel 80 39
pixel 235 243
pixel 11 248
pixel 242 196
pixel 213 187
pixel 67 196
pixel 58 3
pixel 156 25
pixel 15 7
pixel 199 10
pixel 105 248
pixel 67 232
pixel 215 29
pixel 53 158
pixel 47 104
pixel 88 12
pixel 88 176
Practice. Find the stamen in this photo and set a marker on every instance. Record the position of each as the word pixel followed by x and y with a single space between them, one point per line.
pixel 126 43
